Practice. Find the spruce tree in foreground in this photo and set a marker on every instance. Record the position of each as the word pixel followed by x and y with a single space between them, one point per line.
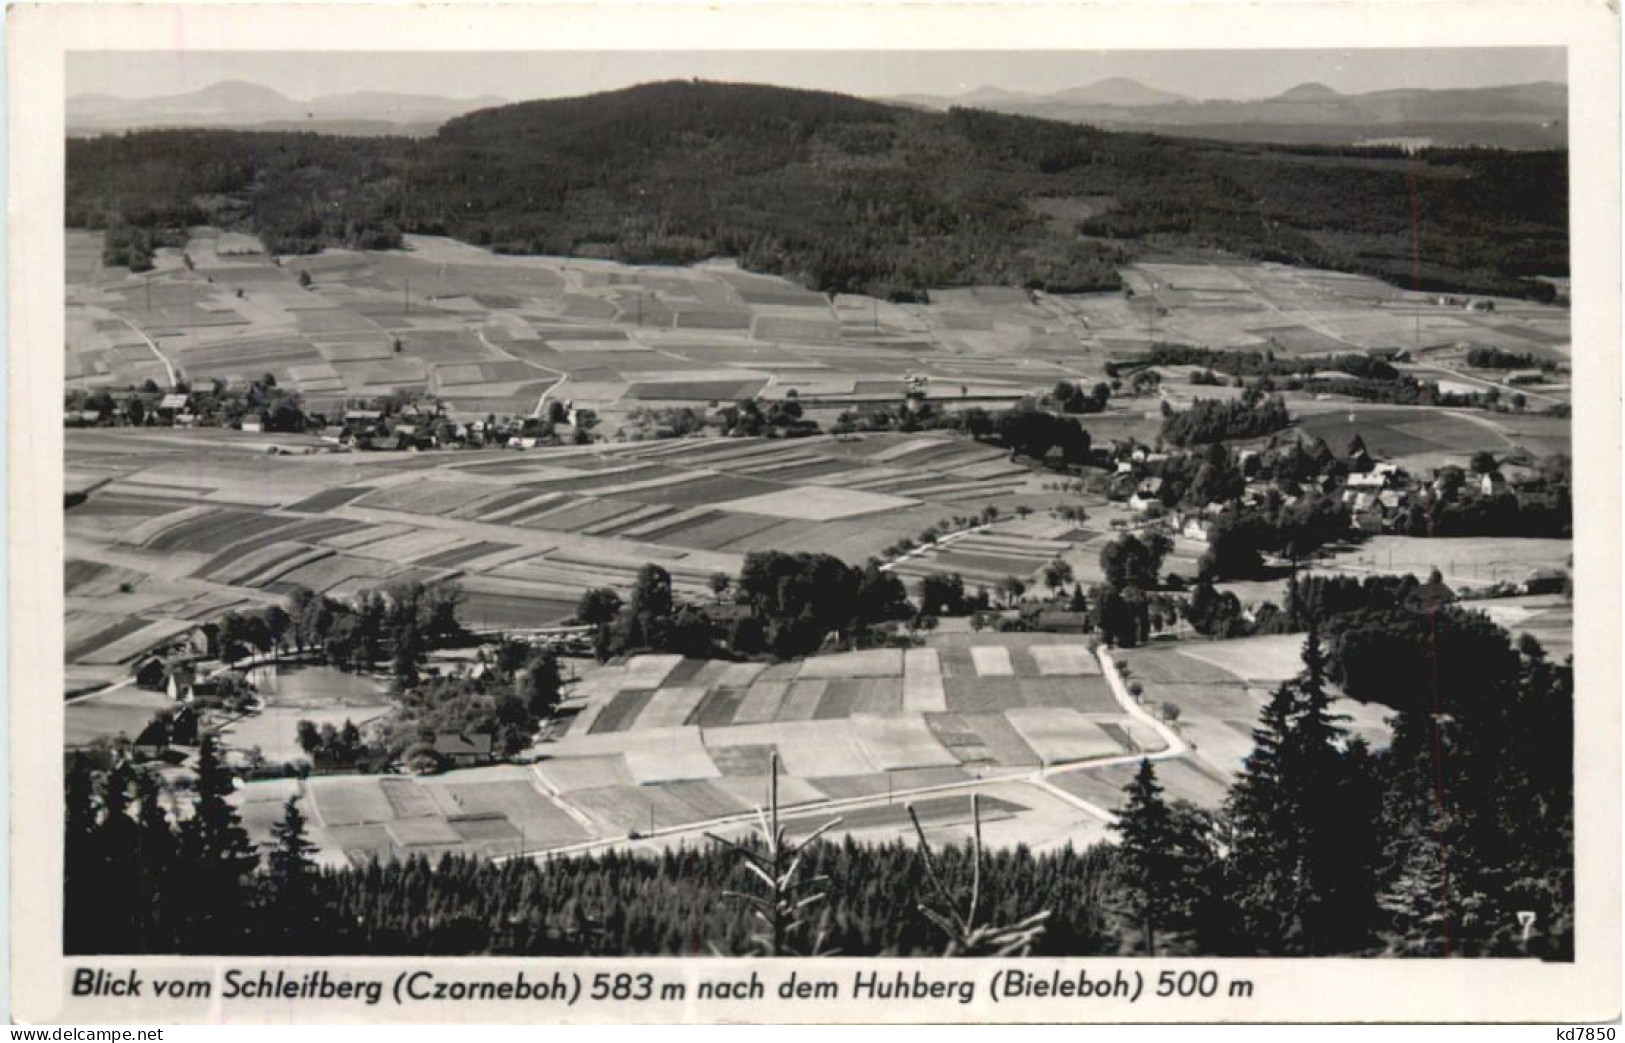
pixel 1259 819
pixel 1145 854
pixel 292 896
pixel 156 860
pixel 81 879
pixel 1303 858
pixel 1166 868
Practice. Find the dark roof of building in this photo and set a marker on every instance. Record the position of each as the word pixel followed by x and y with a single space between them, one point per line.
pixel 154 734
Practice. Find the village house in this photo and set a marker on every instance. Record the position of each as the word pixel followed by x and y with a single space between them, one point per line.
pixel 1367 513
pixel 172 406
pixel 1546 581
pixel 150 673
pixel 1370 481
pixel 413 436
pixel 1523 479
pixel 152 742
pixel 362 421
pixel 183 690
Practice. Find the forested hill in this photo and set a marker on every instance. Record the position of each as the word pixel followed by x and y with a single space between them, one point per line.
pixel 842 193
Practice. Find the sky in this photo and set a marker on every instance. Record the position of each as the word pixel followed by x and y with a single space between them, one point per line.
pixel 518 76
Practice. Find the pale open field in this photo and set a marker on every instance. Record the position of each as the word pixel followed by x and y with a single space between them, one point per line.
pixel 1468 561
pixel 1221 686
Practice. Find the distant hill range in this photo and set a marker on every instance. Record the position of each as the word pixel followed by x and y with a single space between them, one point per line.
pixel 1529 115
pixel 843 194
pixel 248 106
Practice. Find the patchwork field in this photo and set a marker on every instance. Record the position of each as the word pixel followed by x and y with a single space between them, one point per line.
pixel 180 526
pixel 1426 436
pixel 180 517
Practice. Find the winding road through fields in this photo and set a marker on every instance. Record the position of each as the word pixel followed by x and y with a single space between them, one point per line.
pixel 168 367
pixel 541 403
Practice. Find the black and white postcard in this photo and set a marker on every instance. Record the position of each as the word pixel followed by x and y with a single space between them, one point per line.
pixel 814 514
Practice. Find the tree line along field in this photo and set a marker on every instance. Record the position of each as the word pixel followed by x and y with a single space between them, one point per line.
pixel 179 526
pixel 659 746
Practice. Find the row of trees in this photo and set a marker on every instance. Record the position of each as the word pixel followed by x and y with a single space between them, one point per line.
pixel 399 623
pixel 1210 420
pixel 781 419
pixel 1549 513
pixel 1027 430
pixel 1497 358
pixel 1239 536
pixel 796 604
pixel 1244 363
pixel 1072 398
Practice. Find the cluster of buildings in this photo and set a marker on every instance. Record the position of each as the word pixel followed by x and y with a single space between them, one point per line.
pixel 1379 495
pixel 412 426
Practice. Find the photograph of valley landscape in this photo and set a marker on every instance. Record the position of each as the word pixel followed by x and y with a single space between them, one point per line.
pixel 873 504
